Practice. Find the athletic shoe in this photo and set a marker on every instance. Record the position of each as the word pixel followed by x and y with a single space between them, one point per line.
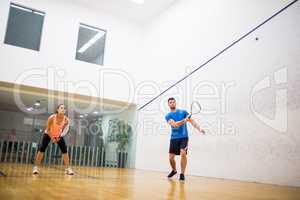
pixel 172 173
pixel 181 177
pixel 35 170
pixel 69 171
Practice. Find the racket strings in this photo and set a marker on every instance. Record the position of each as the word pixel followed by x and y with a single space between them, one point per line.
pixel 195 108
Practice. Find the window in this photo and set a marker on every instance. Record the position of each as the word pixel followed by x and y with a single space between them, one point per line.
pixel 24 27
pixel 90 44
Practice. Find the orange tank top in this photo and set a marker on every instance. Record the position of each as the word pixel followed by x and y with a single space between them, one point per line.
pixel 56 129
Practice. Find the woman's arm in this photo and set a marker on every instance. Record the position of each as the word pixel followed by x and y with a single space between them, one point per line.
pixel 49 124
pixel 65 128
pixel 48 128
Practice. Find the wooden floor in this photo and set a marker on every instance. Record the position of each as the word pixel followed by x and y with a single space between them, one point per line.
pixel 112 183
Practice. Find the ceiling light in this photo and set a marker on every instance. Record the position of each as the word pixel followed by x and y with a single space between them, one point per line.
pixel 38 13
pixel 29 109
pixel 27 9
pixel 20 8
pixel 89 27
pixel 37 103
pixel 91 41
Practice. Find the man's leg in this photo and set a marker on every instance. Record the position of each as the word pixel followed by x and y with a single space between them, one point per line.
pixel 172 153
pixel 172 161
pixel 173 165
pixel 183 161
pixel 183 156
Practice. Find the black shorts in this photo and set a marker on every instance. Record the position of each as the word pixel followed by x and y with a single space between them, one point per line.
pixel 45 141
pixel 177 144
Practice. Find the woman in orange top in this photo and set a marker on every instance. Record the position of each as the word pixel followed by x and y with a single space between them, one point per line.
pixel 57 127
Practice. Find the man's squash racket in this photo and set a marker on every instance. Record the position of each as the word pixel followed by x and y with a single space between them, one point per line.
pixel 195 108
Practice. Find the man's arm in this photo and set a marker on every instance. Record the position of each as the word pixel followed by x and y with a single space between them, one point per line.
pixel 178 123
pixel 195 125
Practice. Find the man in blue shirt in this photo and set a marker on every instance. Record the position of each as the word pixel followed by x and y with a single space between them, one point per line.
pixel 177 118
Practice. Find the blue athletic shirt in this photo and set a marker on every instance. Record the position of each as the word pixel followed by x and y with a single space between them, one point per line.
pixel 181 131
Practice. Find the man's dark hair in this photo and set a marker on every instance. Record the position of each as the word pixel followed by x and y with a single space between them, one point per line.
pixel 171 98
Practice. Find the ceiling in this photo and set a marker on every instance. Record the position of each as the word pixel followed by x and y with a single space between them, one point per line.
pixel 139 13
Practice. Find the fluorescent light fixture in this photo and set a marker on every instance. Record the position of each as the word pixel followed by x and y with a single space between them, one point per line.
pixel 27 9
pixel 91 42
pixel 21 8
pixel 86 115
pixel 138 1
pixel 81 116
pixel 38 13
pixel 95 112
pixel 89 27
pixel 37 104
pixel 29 109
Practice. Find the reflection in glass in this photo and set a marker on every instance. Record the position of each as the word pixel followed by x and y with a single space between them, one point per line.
pixel 94 140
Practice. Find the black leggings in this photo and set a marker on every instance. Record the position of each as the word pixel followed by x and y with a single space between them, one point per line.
pixel 45 141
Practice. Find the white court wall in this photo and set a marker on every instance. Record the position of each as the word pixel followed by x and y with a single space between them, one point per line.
pixel 250 94
pixel 55 66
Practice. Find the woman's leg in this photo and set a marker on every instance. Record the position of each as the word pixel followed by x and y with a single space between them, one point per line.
pixel 63 147
pixel 66 159
pixel 39 157
pixel 64 150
